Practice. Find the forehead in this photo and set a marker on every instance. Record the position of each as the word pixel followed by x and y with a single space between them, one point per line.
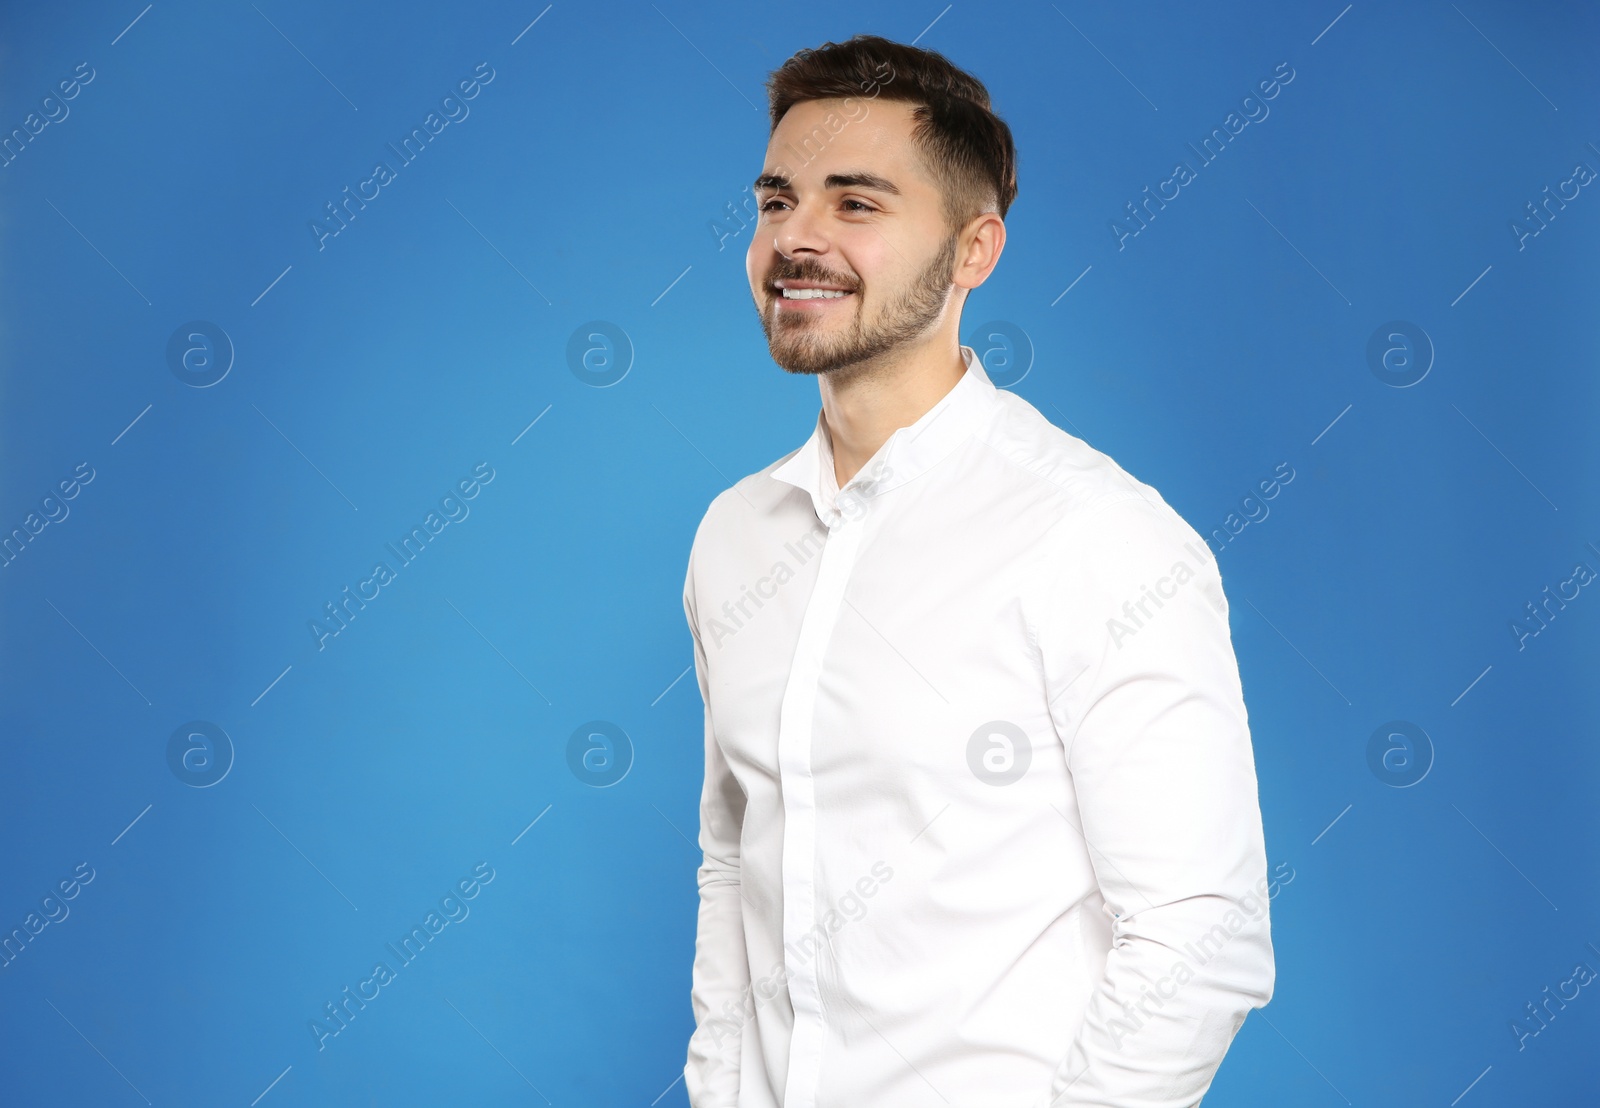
pixel 817 138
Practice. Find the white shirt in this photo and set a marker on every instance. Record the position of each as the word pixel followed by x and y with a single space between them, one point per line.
pixel 979 823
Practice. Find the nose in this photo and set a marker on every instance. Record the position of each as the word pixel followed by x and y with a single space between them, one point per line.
pixel 802 231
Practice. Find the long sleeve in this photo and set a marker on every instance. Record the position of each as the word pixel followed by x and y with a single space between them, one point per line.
pixel 1146 697
pixel 720 992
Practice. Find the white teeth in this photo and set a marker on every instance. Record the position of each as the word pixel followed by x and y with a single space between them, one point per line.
pixel 813 294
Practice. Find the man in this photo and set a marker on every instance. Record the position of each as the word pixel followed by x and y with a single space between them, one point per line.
pixel 979 823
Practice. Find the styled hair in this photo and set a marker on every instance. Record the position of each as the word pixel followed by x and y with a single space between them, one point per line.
pixel 966 148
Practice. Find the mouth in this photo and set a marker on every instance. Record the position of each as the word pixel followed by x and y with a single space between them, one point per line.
pixel 808 299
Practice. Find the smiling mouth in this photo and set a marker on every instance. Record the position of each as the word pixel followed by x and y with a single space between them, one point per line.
pixel 810 298
pixel 814 294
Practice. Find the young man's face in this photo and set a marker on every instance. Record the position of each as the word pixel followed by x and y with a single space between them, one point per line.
pixel 862 216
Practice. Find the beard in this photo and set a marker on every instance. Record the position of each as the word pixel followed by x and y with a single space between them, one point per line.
pixel 801 344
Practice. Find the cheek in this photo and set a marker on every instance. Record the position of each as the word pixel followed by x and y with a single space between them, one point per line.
pixel 757 263
pixel 873 259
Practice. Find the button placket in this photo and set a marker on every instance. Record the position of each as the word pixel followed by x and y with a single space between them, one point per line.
pixel 796 720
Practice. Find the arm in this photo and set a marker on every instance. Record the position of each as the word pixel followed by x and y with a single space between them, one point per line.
pixel 721 979
pixel 1145 694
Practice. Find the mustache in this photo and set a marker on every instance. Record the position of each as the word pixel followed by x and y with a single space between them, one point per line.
pixel 819 278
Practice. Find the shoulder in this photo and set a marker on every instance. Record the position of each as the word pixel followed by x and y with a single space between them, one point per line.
pixel 755 495
pixel 743 513
pixel 1083 481
pixel 1108 532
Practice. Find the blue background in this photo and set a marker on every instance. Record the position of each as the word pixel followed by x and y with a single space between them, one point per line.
pixel 598 177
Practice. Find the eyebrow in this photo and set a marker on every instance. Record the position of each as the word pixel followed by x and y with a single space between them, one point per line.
pixel 857 180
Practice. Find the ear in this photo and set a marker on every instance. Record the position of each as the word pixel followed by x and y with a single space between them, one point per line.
pixel 978 250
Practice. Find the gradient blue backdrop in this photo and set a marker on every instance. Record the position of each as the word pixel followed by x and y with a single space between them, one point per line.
pixel 599 177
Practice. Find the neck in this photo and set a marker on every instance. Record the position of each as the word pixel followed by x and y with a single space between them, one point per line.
pixel 865 407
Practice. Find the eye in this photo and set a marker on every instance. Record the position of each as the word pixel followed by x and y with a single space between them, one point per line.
pixel 859 208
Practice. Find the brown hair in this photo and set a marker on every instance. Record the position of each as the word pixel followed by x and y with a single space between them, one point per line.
pixel 964 145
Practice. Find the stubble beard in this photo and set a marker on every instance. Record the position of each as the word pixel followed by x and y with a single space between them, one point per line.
pixel 802 345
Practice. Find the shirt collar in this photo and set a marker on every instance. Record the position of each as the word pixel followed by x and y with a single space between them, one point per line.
pixel 908 453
